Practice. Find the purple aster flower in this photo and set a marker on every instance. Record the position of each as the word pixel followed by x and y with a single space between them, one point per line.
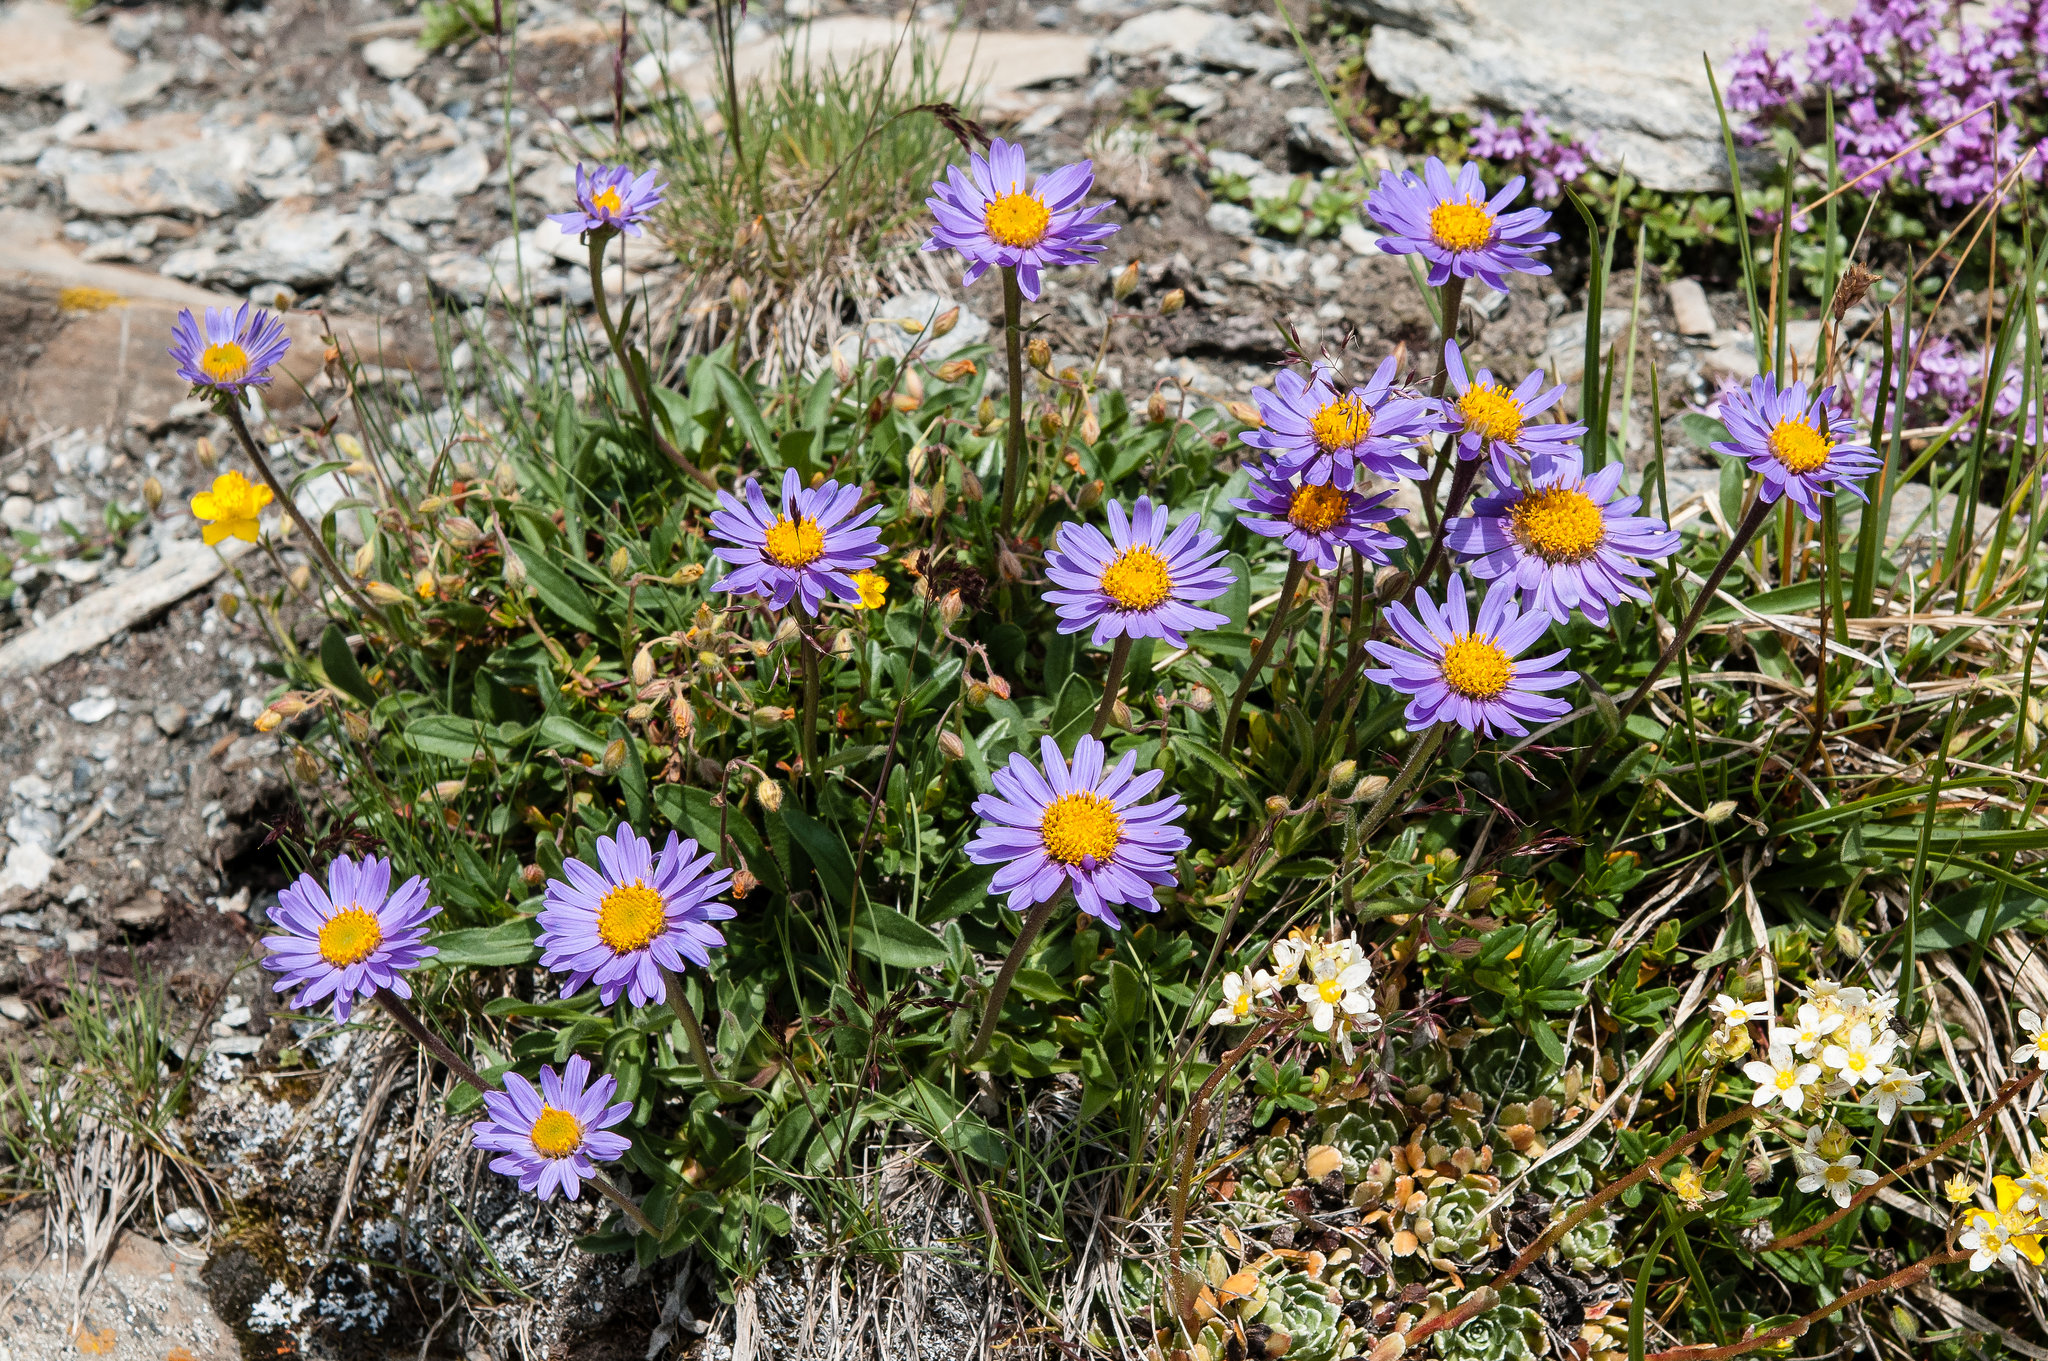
pixel 230 351
pixel 1804 447
pixel 1325 436
pixel 1316 519
pixel 807 549
pixel 991 217
pixel 1052 827
pixel 1450 222
pixel 634 916
pixel 352 938
pixel 1140 581
pixel 1469 676
pixel 610 198
pixel 553 1139
pixel 1567 540
pixel 1488 417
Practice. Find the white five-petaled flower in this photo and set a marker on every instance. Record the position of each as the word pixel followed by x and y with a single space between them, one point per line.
pixel 1240 995
pixel 1289 952
pixel 1829 995
pixel 2035 1050
pixel 1734 1013
pixel 1335 986
pixel 1783 1079
pixel 1858 1057
pixel 1809 1029
pixel 1897 1088
pixel 1839 1177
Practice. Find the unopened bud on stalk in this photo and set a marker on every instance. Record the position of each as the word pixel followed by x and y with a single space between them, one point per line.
pixel 1201 699
pixel 1343 775
pixel 1090 496
pixel 1276 805
pixel 770 795
pixel 204 451
pixel 953 370
pixel 1174 300
pixel 770 714
pixel 1120 714
pixel 787 631
pixel 364 560
pixel 533 876
pixel 1155 408
pixel 621 561
pixel 999 685
pixel 614 759
pixel 913 385
pixel 1126 282
pixel 743 883
pixel 461 531
pixel 842 368
pixel 639 713
pixel 682 716
pixel 301 577
pixel 229 604
pixel 446 790
pixel 360 469
pixel 152 493
pixel 1388 584
pixel 1372 786
pixel 950 745
pixel 268 720
pixel 985 413
pixel 951 607
pixel 1091 429
pixel 1244 413
pixel 384 593
pixel 1008 567
pixel 739 293
pixel 357 726
pixel 643 666
pixel 423 583
pixel 514 572
pixel 689 574
pixel 902 401
pixel 1039 353
pixel 1051 423
pixel 918 502
pixel 305 765
pixel 432 505
pixel 970 485
pixel 946 321
pixel 348 446
pixel 1719 812
pixel 978 694
pixel 505 479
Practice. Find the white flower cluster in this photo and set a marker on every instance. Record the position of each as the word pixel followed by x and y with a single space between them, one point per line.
pixel 1331 978
pixel 1836 1042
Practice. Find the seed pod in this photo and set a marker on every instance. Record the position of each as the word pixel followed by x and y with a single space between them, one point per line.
pixel 1276 805
pixel 682 716
pixel 951 608
pixel 1039 353
pixel 514 572
pixel 229 604
pixel 978 694
pixel 432 505
pixel 462 531
pixel 770 795
pixel 643 666
pixel 364 560
pixel 152 494
pixel 953 370
pixel 918 502
pixel 1091 429
pixel 970 485
pixel 1244 413
pixel 1090 495
pixel 204 451
pixel 770 714
pixel 950 745
pixel 534 876
pixel 1718 812
pixel 640 713
pixel 999 685
pixel 1007 566
pixel 1155 408
pixel 1051 423
pixel 305 765
pixel 358 727
pixel 1201 699
pixel 947 320
pixel 614 759
pixel 1126 282
pixel 384 593
pixel 1174 300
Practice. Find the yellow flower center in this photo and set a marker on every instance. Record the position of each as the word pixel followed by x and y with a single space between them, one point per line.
pixel 1461 226
pixel 1476 667
pixel 1138 579
pixel 607 199
pixel 1838 1172
pixel 1078 827
pixel 1799 446
pixel 1330 990
pixel 793 543
pixel 556 1134
pixel 630 916
pixel 1317 507
pixel 224 362
pixel 1340 424
pixel 1018 220
pixel 1561 524
pixel 349 936
pixel 1689 1184
pixel 1787 1079
pixel 1242 1006
pixel 1491 412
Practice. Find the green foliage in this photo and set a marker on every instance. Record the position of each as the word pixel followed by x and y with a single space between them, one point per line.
pixel 452 23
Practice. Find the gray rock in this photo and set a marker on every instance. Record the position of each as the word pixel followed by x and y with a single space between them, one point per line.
pixel 186 566
pixel 1232 219
pixel 238 1046
pixel 1314 129
pixel 421 209
pixel 94 709
pixel 28 867
pixel 302 248
pixel 43 48
pixel 1230 48
pixel 170 717
pixel 186 1222
pixel 1198 99
pixel 1174 32
pixel 1689 310
pixel 457 173
pixel 1628 72
pixel 38 827
pixel 393 58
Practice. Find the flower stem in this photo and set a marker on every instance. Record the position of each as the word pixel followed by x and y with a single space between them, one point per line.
pixel 1450 298
pixel 231 407
pixel 1119 653
pixel 807 654
pixel 1909 1275
pixel 410 1023
pixel 1013 449
pixel 1384 804
pixel 1191 1140
pixel 597 241
pixel 1034 922
pixel 1462 480
pixel 1295 569
pixel 693 1030
pixel 1759 511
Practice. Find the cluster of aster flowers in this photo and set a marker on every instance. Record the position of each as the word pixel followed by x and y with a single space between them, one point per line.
pixel 1330 981
pixel 1900 70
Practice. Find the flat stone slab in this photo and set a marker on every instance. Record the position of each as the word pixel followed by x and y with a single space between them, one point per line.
pixel 184 566
pixel 43 48
pixel 1628 72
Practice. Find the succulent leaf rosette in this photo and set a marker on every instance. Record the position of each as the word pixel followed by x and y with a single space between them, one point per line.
pixel 1510 1331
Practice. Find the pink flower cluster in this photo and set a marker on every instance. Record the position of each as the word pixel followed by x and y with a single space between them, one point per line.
pixel 1946 384
pixel 1901 69
pixel 1526 146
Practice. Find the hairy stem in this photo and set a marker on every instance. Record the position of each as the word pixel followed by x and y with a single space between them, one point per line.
pixel 807 654
pixel 1013 448
pixel 1034 922
pixel 1295 569
pixel 693 1031
pixel 1904 1276
pixel 1119 653
pixel 1191 1140
pixel 1450 298
pixel 597 241
pixel 231 407
pixel 1384 804
pixel 1462 482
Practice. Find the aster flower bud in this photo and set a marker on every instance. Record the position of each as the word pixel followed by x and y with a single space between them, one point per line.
pixel 621 562
pixel 203 450
pixel 770 794
pixel 152 493
pixel 1039 353
pixel 1343 776
pixel 953 370
pixel 1090 496
pixel 514 572
pixel 643 666
pixel 950 745
pixel 1372 786
pixel 1126 282
pixel 614 759
pixel 1718 812
pixel 1174 300
pixel 640 713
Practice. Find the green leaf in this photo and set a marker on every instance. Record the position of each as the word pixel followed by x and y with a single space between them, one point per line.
pixel 486 946
pixel 1703 431
pixel 739 402
pixel 962 892
pixel 826 850
pixel 446 736
pixel 559 732
pixel 1038 986
pixel 557 590
pixel 339 662
pixel 887 936
pixel 632 776
pixel 1237 599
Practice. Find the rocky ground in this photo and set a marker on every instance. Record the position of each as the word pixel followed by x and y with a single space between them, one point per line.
pixel 309 155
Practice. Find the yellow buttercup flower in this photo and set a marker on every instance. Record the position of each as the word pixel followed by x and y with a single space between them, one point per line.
pixel 874 589
pixel 1960 1189
pixel 231 509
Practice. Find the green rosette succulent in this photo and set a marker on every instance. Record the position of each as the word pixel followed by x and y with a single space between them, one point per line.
pixel 1359 1137
pixel 1426 1065
pixel 1302 1308
pixel 1590 1246
pixel 1459 1218
pixel 1503 1065
pixel 1571 1177
pixel 1357 1281
pixel 1276 1160
pixel 1456 1129
pixel 1510 1331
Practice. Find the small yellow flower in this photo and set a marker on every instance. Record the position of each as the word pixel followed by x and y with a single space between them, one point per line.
pixel 423 584
pixel 874 589
pixel 1959 1189
pixel 231 508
